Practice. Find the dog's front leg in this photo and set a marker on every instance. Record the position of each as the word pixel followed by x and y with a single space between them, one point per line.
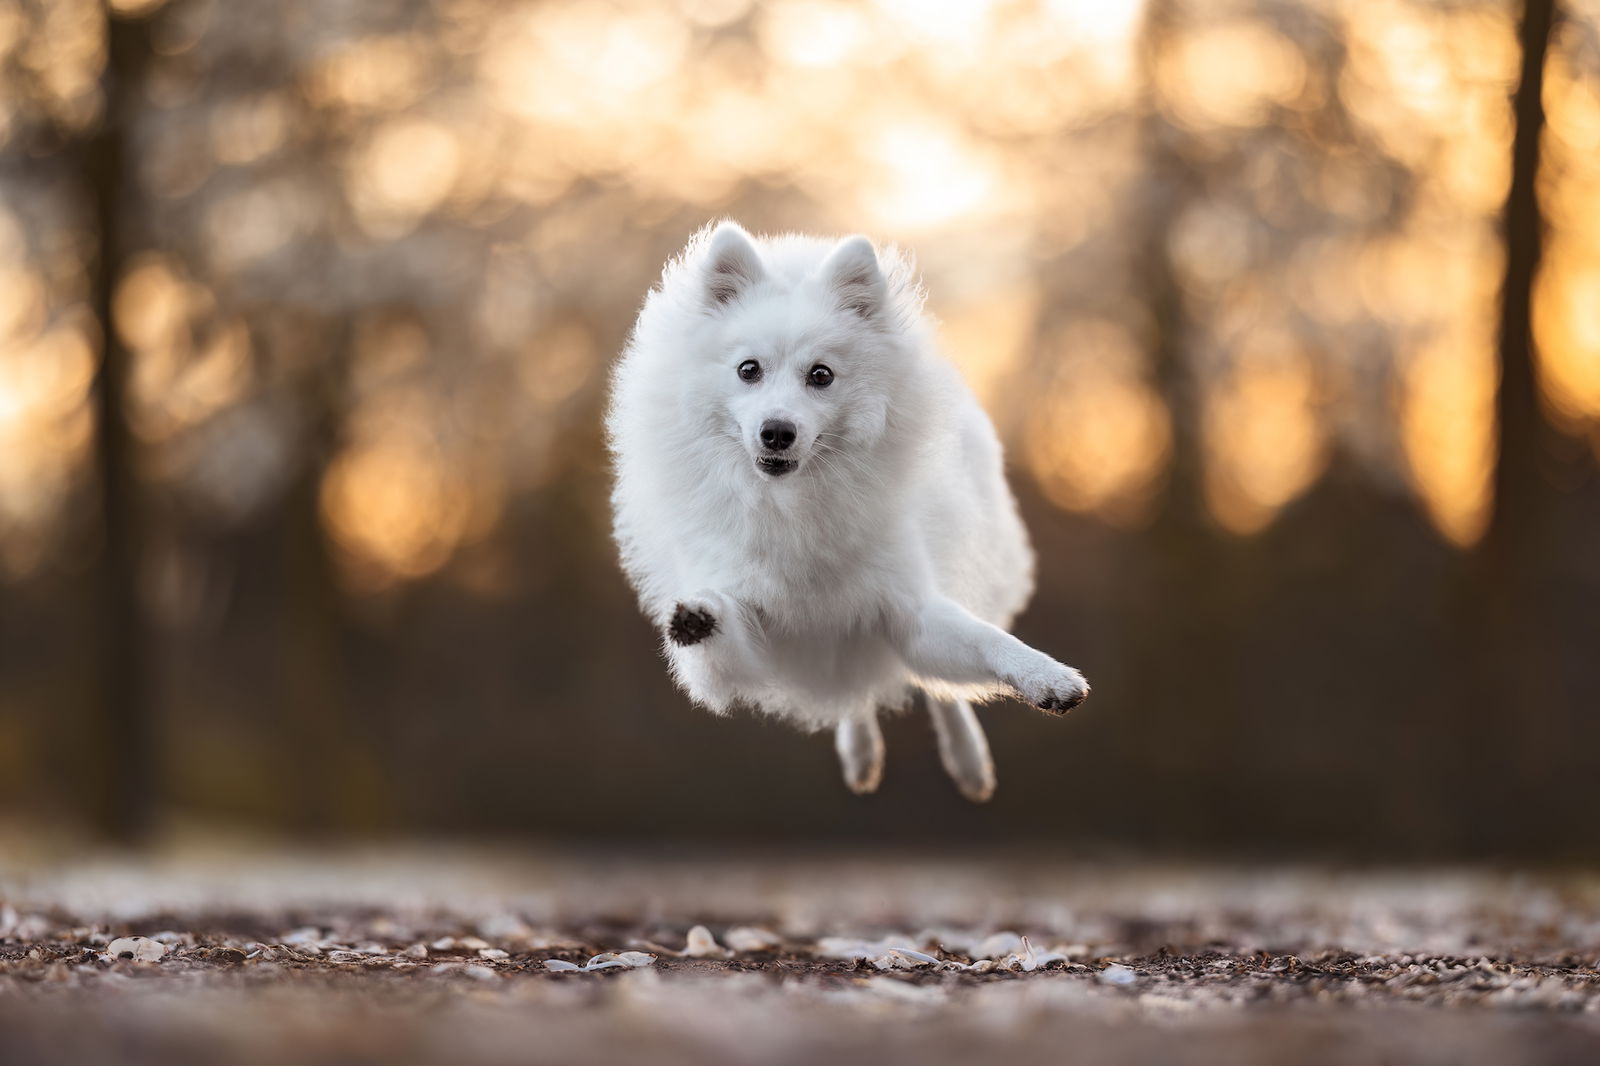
pixel 943 641
pixel 696 619
pixel 706 615
pixel 721 627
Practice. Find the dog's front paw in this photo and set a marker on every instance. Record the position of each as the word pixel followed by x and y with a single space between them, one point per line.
pixel 690 624
pixel 1052 687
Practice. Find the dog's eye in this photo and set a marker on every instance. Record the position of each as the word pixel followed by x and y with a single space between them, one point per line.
pixel 820 377
pixel 750 370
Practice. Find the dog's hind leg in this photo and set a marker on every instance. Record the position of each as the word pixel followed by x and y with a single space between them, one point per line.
pixel 963 748
pixel 859 743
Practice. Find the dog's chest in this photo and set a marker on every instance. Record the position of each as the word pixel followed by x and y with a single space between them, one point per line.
pixel 827 662
pixel 812 585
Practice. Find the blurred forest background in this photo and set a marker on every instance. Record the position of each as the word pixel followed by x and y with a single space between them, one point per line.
pixel 1289 311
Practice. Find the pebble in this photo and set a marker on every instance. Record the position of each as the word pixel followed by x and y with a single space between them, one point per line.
pixel 1118 975
pixel 137 948
pixel 504 927
pixel 751 938
pixel 606 960
pixel 702 945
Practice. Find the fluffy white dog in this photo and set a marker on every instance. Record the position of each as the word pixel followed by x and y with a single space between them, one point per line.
pixel 811 505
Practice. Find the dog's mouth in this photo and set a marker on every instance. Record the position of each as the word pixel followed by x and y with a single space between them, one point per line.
pixel 773 466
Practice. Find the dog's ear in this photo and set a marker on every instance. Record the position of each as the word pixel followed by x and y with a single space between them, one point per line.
pixel 735 265
pixel 852 275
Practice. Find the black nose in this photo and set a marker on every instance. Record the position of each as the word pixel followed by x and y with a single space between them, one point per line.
pixel 777 435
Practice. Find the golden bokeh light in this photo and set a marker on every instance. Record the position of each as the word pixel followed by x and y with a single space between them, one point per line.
pixel 1568 328
pixel 149 307
pixel 1419 76
pixel 1445 285
pixel 61 61
pixel 391 501
pixel 378 74
pixel 558 363
pixel 403 171
pixel 51 56
pixel 1093 22
pixel 45 432
pixel 22 303
pixel 943 23
pixel 1098 437
pixel 1447 423
pixel 1567 292
pixel 247 129
pixel 1347 176
pixel 252 222
pixel 1433 87
pixel 925 174
pixel 714 13
pixel 217 376
pixel 1229 74
pixel 989 336
pixel 1264 434
pixel 585 65
pixel 815 33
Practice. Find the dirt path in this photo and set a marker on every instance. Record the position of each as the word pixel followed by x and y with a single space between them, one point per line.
pixel 469 957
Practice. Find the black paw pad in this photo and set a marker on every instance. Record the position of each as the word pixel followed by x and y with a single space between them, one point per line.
pixel 690 625
pixel 1061 704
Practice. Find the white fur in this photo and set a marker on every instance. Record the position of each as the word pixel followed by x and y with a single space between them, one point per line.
pixel 891 559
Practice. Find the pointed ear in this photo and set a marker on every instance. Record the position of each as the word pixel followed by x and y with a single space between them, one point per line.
pixel 852 276
pixel 734 265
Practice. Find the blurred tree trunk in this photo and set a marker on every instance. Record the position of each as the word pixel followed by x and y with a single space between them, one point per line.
pixel 1515 643
pixel 1180 509
pixel 124 750
pixel 1519 484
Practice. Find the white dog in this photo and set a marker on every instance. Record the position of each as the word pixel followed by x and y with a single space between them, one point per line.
pixel 811 504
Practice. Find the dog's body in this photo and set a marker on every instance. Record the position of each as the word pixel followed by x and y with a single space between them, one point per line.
pixel 811 504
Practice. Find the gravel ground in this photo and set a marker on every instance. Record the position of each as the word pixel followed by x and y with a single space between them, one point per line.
pixel 468 956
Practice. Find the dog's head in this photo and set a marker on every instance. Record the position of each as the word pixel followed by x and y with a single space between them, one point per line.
pixel 804 361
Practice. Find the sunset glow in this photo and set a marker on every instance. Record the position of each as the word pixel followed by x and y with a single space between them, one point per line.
pixel 534 162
